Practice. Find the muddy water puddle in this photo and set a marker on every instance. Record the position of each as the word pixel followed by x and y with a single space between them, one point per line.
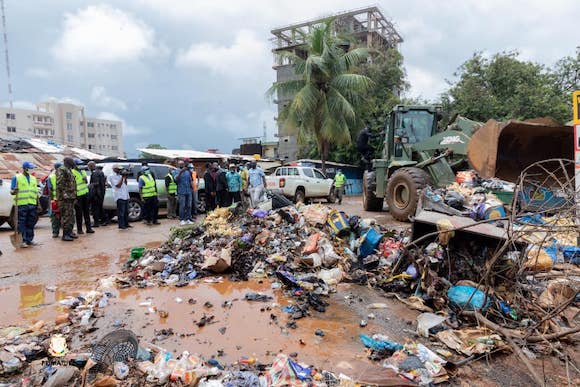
pixel 238 328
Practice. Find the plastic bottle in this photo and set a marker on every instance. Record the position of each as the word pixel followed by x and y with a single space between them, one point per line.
pixel 249 360
pixel 85 317
pixel 160 372
pixel 103 301
pixel 12 365
pixel 178 372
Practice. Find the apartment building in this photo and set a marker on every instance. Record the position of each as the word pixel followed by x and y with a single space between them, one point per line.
pixel 368 26
pixel 63 123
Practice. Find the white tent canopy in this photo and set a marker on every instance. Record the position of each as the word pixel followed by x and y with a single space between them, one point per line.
pixel 183 154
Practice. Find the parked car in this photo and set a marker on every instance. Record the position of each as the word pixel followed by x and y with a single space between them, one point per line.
pixel 302 183
pixel 135 204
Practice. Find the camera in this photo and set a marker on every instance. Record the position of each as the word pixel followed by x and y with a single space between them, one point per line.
pixel 124 172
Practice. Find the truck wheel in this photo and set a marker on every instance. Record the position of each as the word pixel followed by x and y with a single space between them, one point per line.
pixel 10 220
pixel 300 196
pixel 135 209
pixel 403 191
pixel 370 201
pixel 331 198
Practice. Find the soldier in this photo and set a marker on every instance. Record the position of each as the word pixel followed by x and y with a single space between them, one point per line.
pixel 82 208
pixel 66 194
pixel 53 208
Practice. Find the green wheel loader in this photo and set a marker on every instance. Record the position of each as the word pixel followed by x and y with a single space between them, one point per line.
pixel 416 154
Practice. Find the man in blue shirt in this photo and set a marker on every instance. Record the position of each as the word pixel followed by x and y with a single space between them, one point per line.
pixel 25 190
pixel 257 183
pixel 184 192
pixel 234 184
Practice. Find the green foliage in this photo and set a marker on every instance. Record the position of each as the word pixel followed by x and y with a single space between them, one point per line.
pixel 388 76
pixel 145 155
pixel 327 93
pixel 567 73
pixel 505 87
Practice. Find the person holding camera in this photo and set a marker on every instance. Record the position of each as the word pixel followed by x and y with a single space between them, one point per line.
pixel 121 195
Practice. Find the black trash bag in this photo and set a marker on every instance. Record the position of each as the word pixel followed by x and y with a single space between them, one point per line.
pixel 454 199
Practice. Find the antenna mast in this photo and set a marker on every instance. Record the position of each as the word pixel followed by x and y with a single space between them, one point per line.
pixel 5 33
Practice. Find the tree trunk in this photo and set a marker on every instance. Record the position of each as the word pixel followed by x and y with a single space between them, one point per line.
pixel 323 155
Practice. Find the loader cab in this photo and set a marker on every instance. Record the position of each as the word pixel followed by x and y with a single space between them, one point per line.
pixel 408 125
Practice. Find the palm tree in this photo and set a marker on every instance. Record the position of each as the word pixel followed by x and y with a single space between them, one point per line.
pixel 325 91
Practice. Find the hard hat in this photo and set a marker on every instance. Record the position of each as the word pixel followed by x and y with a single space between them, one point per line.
pixel 78 161
pixel 58 164
pixel 144 168
pixel 28 165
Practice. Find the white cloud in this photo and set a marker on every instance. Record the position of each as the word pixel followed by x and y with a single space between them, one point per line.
pixel 100 34
pixel 246 56
pixel 100 98
pixel 38 72
pixel 424 83
pixel 128 130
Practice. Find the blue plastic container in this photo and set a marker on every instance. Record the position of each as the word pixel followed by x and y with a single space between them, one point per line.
pixel 370 242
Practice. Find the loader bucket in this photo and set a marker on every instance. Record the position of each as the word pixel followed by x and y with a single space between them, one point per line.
pixel 504 149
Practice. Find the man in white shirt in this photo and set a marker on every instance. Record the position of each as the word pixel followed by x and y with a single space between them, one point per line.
pixel 121 195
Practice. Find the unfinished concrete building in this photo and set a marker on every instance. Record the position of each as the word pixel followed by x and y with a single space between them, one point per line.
pixel 368 25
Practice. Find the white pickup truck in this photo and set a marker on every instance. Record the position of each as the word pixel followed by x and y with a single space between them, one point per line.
pixel 301 183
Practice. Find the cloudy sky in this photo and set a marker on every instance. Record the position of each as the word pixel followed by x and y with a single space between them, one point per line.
pixel 192 73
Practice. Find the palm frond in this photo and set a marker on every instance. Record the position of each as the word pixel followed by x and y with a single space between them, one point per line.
pixel 353 82
pixel 354 57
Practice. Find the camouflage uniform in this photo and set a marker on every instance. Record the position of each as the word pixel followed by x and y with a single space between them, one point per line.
pixel 66 193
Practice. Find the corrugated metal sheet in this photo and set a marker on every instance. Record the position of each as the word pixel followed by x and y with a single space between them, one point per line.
pixel 42 154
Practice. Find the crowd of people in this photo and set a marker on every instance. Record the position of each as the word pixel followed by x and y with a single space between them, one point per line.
pixel 75 194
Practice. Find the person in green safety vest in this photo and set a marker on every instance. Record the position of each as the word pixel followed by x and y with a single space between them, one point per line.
pixel 82 204
pixel 148 191
pixel 171 188
pixel 339 185
pixel 25 190
pixel 53 208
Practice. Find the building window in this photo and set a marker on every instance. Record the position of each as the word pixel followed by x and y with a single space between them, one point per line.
pixel 68 115
pixel 113 126
pixel 91 124
pixel 91 135
pixel 114 147
pixel 10 116
pixel 11 129
pixel 69 138
pixel 113 136
pixel 90 147
pixel 68 126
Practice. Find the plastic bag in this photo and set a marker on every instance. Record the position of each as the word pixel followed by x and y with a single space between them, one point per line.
pixel 426 321
pixel 332 276
pixel 377 345
pixel 460 296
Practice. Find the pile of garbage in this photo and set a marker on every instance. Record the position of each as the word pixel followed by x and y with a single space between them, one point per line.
pixel 29 355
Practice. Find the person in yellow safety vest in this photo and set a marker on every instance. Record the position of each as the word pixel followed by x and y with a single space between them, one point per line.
pixel 53 208
pixel 82 204
pixel 148 191
pixel 25 190
pixel 171 188
pixel 339 185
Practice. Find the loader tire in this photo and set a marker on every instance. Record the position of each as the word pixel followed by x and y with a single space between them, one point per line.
pixel 404 190
pixel 370 201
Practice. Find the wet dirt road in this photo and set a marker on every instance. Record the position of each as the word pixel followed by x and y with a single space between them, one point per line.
pixel 27 276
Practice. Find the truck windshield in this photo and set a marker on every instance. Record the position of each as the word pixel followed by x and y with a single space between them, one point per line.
pixel 414 125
